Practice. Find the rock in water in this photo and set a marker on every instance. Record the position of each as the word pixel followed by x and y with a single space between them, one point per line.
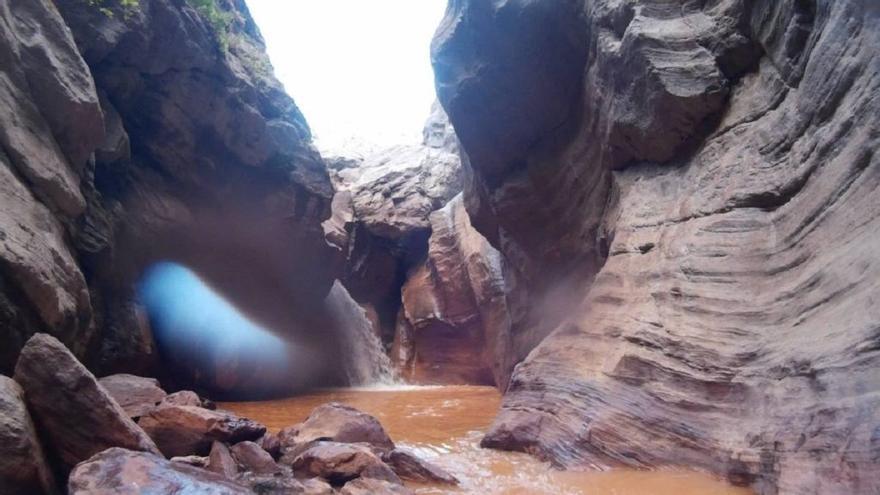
pixel 188 430
pixel 23 466
pixel 124 472
pixel 137 395
pixel 339 463
pixel 337 423
pixel 410 467
pixel 77 417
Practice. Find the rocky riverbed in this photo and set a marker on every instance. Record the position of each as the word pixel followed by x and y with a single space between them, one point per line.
pixel 124 434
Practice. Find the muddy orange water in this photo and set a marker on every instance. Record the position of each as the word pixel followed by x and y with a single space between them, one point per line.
pixel 445 424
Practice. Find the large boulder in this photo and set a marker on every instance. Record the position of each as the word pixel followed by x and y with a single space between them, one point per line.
pixel 136 394
pixel 125 472
pixel 188 430
pixel 24 469
pixel 77 417
pixel 336 423
pixel 339 463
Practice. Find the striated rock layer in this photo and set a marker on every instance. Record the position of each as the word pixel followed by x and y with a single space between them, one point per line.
pixel 708 170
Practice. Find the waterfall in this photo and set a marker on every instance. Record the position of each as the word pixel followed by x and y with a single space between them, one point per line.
pixel 364 359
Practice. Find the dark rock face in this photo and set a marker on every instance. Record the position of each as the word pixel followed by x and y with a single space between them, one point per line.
pixel 130 473
pixel 136 394
pixel 145 135
pixel 188 430
pixel 77 417
pixel 223 176
pixel 707 170
pixel 24 469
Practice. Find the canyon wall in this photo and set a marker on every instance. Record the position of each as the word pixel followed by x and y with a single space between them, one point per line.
pixel 701 179
pixel 137 134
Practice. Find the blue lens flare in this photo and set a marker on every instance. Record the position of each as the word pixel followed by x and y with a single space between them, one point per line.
pixel 191 320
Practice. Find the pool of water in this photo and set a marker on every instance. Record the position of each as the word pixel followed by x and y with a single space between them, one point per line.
pixel 445 424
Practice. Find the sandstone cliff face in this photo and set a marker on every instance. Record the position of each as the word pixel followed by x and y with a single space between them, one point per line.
pixel 708 170
pixel 148 134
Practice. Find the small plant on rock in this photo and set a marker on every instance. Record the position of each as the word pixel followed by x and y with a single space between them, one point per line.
pixel 219 19
pixel 106 6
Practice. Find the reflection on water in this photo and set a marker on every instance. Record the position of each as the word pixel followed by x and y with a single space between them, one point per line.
pixel 445 425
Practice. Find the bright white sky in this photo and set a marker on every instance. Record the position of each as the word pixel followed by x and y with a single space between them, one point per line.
pixel 359 70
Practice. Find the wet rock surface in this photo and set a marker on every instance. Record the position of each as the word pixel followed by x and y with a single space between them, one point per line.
pixel 188 430
pixel 77 417
pixel 126 472
pixel 706 171
pixel 337 423
pixel 24 468
pixel 137 395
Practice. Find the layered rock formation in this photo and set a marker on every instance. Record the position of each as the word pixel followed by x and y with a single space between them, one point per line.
pixel 707 170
